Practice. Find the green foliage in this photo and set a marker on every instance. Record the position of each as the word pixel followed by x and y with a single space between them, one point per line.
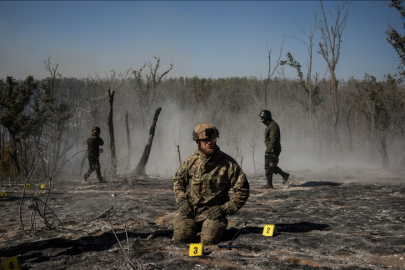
pixel 396 40
pixel 313 93
pixel 202 89
pixel 56 107
pixel 14 98
pixel 379 102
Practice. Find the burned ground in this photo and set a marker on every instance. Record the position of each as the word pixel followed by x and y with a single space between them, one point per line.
pixel 338 219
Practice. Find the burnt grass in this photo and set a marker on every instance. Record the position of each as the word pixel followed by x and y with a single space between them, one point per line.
pixel 338 219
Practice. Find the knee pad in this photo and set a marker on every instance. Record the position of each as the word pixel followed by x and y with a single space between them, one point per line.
pixel 211 231
pixel 185 229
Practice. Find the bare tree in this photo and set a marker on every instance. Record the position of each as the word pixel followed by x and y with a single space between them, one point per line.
pixel 310 45
pixel 381 105
pixel 39 204
pixel 270 72
pixel 145 88
pixel 329 48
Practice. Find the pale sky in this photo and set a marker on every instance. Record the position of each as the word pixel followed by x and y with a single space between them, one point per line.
pixel 201 38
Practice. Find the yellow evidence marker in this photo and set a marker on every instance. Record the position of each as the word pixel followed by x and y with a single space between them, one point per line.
pixel 269 230
pixel 43 186
pixel 27 186
pixel 196 249
pixel 3 194
pixel 11 263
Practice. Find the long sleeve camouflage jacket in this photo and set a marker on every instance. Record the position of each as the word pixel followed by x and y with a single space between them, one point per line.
pixel 211 180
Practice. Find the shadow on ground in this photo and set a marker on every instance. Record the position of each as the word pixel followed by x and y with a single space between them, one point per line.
pixel 70 247
pixel 317 183
pixel 300 227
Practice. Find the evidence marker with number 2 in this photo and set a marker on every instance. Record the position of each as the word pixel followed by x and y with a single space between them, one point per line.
pixel 269 230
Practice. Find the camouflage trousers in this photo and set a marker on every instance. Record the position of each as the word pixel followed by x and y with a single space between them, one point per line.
pixel 94 165
pixel 186 229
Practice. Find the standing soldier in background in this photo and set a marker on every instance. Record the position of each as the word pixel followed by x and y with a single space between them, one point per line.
pixel 273 148
pixel 207 203
pixel 93 154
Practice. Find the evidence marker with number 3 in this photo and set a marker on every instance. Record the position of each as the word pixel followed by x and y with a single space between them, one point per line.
pixel 269 230
pixel 11 263
pixel 196 249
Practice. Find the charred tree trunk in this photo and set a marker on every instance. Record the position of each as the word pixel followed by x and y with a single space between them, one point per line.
pixel 13 153
pixel 402 158
pixel 383 152
pixel 4 157
pixel 128 138
pixel 178 151
pixel 140 168
pixel 15 161
pixel 111 132
pixel 349 130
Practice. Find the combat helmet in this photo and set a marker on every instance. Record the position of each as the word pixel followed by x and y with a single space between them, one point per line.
pixel 265 114
pixel 96 129
pixel 205 131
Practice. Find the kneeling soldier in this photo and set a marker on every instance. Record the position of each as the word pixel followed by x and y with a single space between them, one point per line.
pixel 212 174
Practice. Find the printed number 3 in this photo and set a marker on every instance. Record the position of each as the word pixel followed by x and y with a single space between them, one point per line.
pixel 195 250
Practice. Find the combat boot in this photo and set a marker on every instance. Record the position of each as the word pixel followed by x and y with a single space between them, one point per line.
pixel 269 182
pixel 285 177
pixel 267 186
pixel 101 180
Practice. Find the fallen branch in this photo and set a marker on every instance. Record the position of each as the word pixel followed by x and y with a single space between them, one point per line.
pixel 159 233
pixel 119 243
pixel 103 215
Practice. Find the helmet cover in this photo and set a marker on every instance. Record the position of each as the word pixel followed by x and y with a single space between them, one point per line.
pixel 205 131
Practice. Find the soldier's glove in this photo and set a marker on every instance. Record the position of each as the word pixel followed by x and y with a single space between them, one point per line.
pixel 185 208
pixel 215 212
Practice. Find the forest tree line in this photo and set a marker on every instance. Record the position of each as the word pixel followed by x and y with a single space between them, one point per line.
pixel 46 122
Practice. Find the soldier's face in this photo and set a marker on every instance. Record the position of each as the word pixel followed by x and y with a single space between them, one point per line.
pixel 262 119
pixel 207 146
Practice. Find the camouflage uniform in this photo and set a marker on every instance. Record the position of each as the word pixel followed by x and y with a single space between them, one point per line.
pixel 211 179
pixel 93 154
pixel 273 150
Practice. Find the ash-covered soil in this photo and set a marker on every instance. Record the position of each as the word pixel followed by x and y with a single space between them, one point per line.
pixel 338 219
